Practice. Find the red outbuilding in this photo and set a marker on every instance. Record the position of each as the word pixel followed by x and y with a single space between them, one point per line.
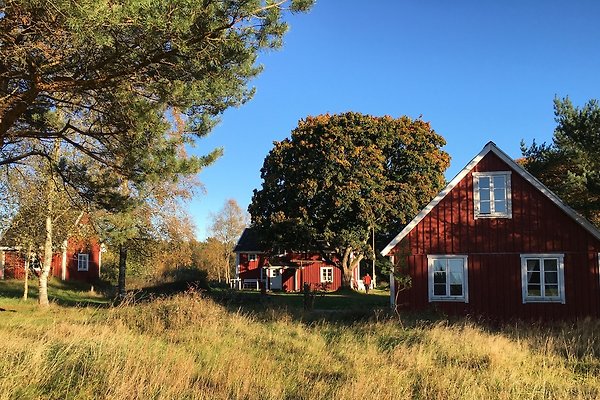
pixel 283 270
pixel 497 242
pixel 78 260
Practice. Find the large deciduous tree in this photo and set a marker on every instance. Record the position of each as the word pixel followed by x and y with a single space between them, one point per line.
pixel 340 176
pixel 570 165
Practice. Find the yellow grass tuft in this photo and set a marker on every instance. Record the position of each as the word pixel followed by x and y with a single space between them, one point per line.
pixel 188 347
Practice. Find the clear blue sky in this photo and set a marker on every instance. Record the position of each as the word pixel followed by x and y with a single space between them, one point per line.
pixel 477 70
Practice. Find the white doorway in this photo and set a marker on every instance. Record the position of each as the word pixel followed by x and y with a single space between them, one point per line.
pixel 275 279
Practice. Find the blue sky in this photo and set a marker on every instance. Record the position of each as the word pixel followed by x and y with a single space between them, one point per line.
pixel 477 70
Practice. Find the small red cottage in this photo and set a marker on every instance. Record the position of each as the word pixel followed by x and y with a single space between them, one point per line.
pixel 497 242
pixel 78 261
pixel 287 271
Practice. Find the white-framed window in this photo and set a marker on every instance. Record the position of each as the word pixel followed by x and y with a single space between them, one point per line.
pixel 448 279
pixel 326 274
pixel 492 194
pixel 251 257
pixel 83 260
pixel 543 278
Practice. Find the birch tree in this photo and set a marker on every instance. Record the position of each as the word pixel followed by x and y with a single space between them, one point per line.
pixel 226 227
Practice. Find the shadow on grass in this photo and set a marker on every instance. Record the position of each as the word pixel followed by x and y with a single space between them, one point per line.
pixel 70 294
pixel 342 307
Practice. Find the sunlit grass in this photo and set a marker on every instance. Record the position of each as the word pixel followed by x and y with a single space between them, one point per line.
pixel 188 346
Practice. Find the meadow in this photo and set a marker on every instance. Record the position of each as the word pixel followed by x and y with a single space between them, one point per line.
pixel 221 345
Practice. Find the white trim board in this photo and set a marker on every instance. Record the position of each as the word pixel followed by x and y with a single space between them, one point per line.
pixel 491 147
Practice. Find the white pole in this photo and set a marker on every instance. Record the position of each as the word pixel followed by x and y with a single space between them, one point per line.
pixel 374 280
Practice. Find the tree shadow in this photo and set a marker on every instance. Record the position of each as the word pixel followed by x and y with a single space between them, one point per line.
pixel 343 307
pixel 64 293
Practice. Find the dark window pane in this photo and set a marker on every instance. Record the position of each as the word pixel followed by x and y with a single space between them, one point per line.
pixel 551 277
pixel 439 277
pixel 456 290
pixel 533 264
pixel 534 290
pixel 533 277
pixel 550 264
pixel 439 290
pixel 551 290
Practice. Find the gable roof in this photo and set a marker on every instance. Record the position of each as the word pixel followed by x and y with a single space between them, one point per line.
pixel 248 242
pixel 491 147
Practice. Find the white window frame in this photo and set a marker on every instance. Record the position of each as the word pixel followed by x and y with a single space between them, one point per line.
pixel 561 278
pixel 83 262
pixel 464 298
pixel 476 199
pixel 251 257
pixel 328 278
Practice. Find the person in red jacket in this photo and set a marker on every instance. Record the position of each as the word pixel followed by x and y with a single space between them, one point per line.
pixel 367 282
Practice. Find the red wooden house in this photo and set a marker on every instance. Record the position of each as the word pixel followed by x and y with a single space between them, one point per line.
pixel 497 242
pixel 78 260
pixel 284 270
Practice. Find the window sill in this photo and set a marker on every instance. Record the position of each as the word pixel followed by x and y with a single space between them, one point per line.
pixel 490 216
pixel 543 300
pixel 448 299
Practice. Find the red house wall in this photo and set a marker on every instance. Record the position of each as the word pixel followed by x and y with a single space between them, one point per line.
pixel 15 263
pixel 74 247
pixel 309 273
pixel 14 266
pixel 494 247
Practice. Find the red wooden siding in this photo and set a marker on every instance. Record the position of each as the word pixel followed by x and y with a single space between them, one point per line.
pixel 13 266
pixel 293 279
pixel 494 247
pixel 74 248
pixel 14 262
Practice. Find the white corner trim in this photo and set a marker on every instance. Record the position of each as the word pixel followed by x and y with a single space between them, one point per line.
pixel 491 146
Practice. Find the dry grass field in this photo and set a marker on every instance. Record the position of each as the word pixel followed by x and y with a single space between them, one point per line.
pixel 188 346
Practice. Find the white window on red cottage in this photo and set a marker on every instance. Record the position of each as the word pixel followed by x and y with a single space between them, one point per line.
pixel 251 257
pixel 543 278
pixel 83 261
pixel 448 279
pixel 326 274
pixel 492 194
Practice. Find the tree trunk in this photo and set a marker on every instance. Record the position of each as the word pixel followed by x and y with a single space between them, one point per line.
pixel 43 281
pixel 227 270
pixel 26 282
pixel 122 270
pixel 50 197
pixel 348 265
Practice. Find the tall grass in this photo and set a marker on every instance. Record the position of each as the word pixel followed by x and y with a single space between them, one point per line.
pixel 188 347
